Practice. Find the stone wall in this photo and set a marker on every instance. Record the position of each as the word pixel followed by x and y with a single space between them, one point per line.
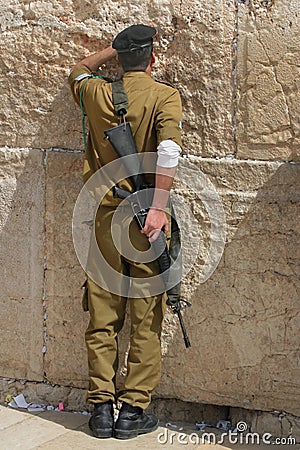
pixel 235 64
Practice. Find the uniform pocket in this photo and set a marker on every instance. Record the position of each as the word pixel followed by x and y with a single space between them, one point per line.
pixel 85 296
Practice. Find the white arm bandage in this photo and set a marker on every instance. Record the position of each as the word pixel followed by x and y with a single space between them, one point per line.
pixel 82 76
pixel 168 152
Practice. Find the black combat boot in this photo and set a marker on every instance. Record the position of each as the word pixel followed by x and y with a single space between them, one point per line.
pixel 102 420
pixel 132 421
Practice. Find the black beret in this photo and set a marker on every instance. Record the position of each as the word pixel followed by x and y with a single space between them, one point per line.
pixel 134 38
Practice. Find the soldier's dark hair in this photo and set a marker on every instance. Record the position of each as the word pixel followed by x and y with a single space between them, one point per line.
pixel 136 60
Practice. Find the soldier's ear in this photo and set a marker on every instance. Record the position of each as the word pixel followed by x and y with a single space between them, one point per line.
pixel 152 61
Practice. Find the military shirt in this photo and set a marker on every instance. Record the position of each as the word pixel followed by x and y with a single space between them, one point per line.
pixel 154 113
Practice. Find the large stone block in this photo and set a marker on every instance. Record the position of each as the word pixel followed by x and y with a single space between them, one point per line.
pixel 197 60
pixel 21 277
pixel 65 357
pixel 268 80
pixel 40 43
pixel 244 323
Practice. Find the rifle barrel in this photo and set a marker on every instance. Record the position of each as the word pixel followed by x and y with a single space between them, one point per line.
pixel 183 329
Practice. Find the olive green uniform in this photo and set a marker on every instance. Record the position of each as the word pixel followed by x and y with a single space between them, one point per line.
pixel 154 113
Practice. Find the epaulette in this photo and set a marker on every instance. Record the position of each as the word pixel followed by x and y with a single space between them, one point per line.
pixel 95 74
pixel 164 82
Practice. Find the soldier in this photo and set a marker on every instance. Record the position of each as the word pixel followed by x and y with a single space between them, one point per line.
pixel 154 113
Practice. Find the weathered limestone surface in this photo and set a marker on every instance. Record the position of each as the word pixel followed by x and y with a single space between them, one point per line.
pixel 65 358
pixel 42 40
pixel 236 67
pixel 22 184
pixel 268 79
pixel 245 319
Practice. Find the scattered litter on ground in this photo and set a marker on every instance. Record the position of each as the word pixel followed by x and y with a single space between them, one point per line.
pixel 200 426
pixel 33 407
pixel 224 425
pixel 9 398
pixel 50 408
pixel 19 402
pixel 61 406
pixel 173 425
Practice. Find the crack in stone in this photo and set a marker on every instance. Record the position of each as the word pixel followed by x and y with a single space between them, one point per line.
pixel 44 306
pixel 273 68
pixel 234 76
pixel 35 382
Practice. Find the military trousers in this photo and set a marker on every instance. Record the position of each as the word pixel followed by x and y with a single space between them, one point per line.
pixel 107 302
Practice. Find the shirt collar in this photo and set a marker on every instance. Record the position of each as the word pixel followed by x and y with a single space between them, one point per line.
pixel 137 74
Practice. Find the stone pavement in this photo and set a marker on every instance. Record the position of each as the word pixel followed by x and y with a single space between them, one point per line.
pixel 51 430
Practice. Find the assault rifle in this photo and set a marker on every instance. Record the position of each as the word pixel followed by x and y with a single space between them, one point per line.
pixel 121 139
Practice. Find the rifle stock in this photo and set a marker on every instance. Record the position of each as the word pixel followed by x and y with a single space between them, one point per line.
pixel 121 139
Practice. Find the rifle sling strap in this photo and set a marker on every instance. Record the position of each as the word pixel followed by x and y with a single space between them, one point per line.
pixel 120 101
pixel 120 98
